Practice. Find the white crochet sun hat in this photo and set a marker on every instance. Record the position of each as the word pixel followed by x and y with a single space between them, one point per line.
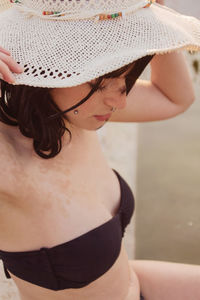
pixel 64 43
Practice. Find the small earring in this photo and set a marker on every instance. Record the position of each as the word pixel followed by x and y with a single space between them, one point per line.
pixel 113 109
pixel 76 111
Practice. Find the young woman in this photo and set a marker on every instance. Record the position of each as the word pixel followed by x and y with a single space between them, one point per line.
pixel 63 210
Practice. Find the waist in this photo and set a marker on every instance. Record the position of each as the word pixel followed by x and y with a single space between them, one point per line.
pixel 114 284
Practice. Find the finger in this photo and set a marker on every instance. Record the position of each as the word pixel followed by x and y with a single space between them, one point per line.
pixel 11 63
pixel 6 73
pixel 5 51
pixel 160 2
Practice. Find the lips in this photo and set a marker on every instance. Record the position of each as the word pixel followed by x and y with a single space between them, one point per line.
pixel 102 117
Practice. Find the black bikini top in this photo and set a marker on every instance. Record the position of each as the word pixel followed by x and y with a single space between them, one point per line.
pixel 78 262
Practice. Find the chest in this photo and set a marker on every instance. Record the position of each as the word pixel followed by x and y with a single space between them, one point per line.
pixel 61 200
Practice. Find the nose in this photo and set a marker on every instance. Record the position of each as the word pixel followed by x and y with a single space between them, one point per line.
pixel 115 99
pixel 118 101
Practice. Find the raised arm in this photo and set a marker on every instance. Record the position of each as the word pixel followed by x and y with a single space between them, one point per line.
pixel 168 93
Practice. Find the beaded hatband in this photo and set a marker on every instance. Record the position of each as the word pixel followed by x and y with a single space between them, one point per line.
pixel 63 15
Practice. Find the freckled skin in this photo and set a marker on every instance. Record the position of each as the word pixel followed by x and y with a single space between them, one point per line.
pixel 62 198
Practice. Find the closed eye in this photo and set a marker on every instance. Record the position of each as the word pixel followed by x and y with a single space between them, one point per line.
pixel 102 88
pixel 122 91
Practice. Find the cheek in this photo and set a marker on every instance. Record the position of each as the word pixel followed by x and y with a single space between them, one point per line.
pixel 87 108
pixel 85 111
pixel 65 98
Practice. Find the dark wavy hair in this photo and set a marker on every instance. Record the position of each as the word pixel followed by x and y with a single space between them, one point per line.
pixel 37 115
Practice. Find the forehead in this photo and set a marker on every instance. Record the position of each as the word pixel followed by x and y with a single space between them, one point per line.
pixel 122 75
pixel 126 72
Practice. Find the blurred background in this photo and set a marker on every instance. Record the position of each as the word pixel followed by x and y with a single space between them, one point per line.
pixel 161 162
pixel 168 176
pixel 168 184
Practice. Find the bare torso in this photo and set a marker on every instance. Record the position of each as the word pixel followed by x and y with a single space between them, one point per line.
pixel 50 194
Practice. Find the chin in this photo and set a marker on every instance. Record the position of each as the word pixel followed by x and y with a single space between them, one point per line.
pixel 94 129
pixel 100 127
pixel 91 126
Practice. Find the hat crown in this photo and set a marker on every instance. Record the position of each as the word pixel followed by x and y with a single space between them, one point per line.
pixel 75 7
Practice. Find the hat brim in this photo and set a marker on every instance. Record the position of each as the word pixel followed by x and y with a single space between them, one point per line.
pixel 69 53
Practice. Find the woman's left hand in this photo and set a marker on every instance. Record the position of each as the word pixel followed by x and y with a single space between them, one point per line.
pixel 162 2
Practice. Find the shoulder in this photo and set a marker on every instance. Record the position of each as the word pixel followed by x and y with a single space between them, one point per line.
pixel 9 165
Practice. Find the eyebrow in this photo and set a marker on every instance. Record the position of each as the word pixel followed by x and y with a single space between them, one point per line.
pixel 127 71
pixel 123 76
